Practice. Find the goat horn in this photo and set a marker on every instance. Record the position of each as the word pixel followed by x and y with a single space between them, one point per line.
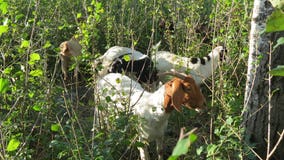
pixel 173 73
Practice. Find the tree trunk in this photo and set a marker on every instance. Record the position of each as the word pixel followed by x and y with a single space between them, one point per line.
pixel 257 103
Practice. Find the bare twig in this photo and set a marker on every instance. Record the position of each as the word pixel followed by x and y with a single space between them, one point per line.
pixel 183 135
pixel 269 107
pixel 276 145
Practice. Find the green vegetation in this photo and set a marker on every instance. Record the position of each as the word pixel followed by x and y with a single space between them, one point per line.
pixel 275 22
pixel 42 117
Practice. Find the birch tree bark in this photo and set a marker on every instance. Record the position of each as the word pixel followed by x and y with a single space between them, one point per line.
pixel 257 101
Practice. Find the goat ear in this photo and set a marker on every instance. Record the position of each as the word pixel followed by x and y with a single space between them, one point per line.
pixel 173 96
pixel 168 103
pixel 74 48
pixel 177 95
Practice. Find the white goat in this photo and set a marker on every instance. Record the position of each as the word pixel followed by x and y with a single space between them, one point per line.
pixel 122 59
pixel 199 68
pixel 113 53
pixel 153 108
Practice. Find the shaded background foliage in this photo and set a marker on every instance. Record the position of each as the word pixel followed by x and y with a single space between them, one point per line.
pixel 53 119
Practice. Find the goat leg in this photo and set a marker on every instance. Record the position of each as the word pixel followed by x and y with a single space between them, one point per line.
pixel 65 60
pixel 159 148
pixel 144 153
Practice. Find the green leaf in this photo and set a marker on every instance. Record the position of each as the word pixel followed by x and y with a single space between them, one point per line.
pixel 118 80
pixel 183 145
pixel 108 99
pixel 173 158
pixel 34 57
pixel 13 145
pixel 8 70
pixel 55 127
pixel 278 71
pixel 31 94
pixel 47 44
pixel 192 138
pixel 25 44
pixel 36 73
pixel 275 22
pixel 99 8
pixel 280 41
pixel 36 108
pixel 79 15
pixel 4 85
pixel 229 121
pixel 3 29
pixel 127 58
pixel 199 150
pixel 3 7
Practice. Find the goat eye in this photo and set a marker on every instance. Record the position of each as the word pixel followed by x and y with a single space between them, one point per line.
pixel 187 89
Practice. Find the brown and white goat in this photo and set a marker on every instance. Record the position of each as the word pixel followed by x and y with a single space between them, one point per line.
pixel 153 109
pixel 69 49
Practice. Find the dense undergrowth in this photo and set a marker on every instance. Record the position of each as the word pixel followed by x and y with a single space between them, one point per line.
pixel 43 117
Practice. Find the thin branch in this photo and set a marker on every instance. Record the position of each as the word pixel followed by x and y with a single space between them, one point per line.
pixel 276 145
pixel 269 106
pixel 183 135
